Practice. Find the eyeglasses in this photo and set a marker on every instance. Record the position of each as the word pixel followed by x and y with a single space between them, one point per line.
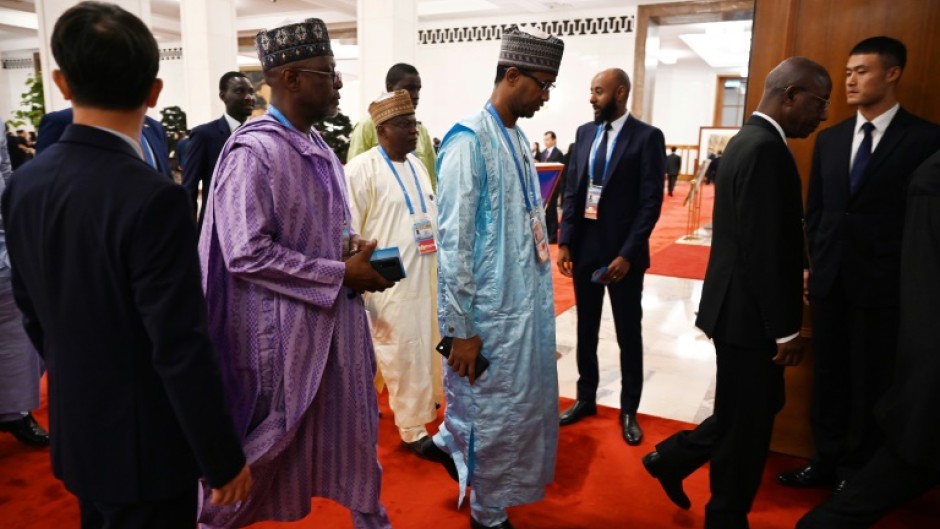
pixel 823 102
pixel 546 86
pixel 406 124
pixel 335 76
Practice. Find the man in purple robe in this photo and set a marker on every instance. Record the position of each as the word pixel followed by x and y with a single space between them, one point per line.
pixel 282 273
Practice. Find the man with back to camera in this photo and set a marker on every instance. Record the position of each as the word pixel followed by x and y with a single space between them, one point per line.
pixel 673 166
pixel 135 395
pixel 613 200
pixel 751 300
pixel 501 427
pixel 206 141
pixel 854 225
pixel 400 76
pixel 282 270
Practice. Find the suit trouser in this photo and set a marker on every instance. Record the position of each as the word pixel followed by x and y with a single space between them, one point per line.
pixel 853 363
pixel 625 298
pixel 177 512
pixel 672 182
pixel 884 483
pixel 736 438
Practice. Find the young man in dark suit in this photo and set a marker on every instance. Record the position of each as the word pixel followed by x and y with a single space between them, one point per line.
pixel 751 300
pixel 553 155
pixel 136 405
pixel 855 217
pixel 206 140
pixel 152 138
pixel 612 203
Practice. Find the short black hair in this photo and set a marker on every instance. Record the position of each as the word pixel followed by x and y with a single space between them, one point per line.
pixel 108 56
pixel 226 77
pixel 501 70
pixel 550 133
pixel 398 72
pixel 892 51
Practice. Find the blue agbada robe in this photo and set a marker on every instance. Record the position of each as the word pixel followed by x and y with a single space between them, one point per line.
pixel 503 430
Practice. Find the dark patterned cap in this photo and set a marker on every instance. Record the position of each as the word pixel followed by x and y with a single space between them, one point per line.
pixel 531 49
pixel 292 43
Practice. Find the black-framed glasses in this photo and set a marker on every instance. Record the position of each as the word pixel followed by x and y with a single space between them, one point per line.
pixel 335 75
pixel 406 124
pixel 546 86
pixel 823 102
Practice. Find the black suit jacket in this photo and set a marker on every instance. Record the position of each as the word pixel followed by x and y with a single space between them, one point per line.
pixel 632 198
pixel 556 156
pixel 53 124
pixel 106 274
pixel 754 281
pixel 205 145
pixel 859 236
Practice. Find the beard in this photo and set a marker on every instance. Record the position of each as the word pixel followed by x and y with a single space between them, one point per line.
pixel 606 112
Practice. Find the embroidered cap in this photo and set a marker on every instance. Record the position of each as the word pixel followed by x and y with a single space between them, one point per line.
pixel 291 43
pixel 391 105
pixel 531 49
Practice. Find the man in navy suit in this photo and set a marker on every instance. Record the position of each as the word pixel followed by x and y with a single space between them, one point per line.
pixel 136 403
pixel 613 199
pixel 152 139
pixel 751 300
pixel 855 220
pixel 206 140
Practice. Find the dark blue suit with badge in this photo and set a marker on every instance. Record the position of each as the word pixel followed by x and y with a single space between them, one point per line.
pixel 205 145
pixel 627 212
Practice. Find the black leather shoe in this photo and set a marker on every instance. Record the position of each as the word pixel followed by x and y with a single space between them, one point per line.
pixel 839 487
pixel 653 464
pixel 579 410
pixel 632 433
pixel 477 525
pixel 426 449
pixel 26 431
pixel 808 476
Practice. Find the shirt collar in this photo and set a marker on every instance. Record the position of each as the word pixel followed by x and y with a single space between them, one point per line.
pixel 881 122
pixel 233 123
pixel 135 144
pixel 772 122
pixel 617 124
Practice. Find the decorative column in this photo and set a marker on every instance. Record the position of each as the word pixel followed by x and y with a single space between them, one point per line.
pixel 210 48
pixel 387 33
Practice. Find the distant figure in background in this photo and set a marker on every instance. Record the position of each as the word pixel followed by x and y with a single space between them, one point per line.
pixel 16 149
pixel 612 202
pixel 909 463
pixel 152 139
pixel 206 141
pixel 111 297
pixel 20 367
pixel 712 172
pixel 552 154
pixel 752 304
pixel 181 147
pixel 400 76
pixel 673 166
pixel 536 150
pixel 437 144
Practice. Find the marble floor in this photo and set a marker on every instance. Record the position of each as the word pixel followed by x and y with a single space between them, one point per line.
pixel 678 360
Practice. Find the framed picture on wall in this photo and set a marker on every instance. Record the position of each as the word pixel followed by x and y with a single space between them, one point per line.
pixel 712 142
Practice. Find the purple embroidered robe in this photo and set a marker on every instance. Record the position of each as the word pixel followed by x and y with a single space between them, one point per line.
pixel 294 348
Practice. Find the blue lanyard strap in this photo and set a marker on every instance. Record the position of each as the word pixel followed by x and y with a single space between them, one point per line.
pixel 276 114
pixel 522 176
pixel 594 147
pixel 411 209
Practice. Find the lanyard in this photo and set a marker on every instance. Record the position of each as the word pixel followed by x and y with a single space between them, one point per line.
pixel 522 179
pixel 276 114
pixel 594 147
pixel 411 209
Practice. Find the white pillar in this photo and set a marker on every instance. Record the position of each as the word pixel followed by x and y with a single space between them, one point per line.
pixel 48 11
pixel 210 48
pixel 387 34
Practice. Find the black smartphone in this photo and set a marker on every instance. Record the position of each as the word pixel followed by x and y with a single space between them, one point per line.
pixel 448 342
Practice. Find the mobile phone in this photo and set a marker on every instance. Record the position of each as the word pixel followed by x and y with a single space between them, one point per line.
pixel 598 274
pixel 447 343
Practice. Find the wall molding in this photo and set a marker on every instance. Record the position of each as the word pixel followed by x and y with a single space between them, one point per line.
pixel 18 64
pixel 171 54
pixel 576 27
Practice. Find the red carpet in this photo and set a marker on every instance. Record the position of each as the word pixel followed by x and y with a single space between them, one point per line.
pixel 600 484
pixel 680 260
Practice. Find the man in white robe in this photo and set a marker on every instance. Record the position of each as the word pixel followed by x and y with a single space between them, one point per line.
pixel 391 201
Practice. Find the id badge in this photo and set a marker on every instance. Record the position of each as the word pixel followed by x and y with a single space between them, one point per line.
pixel 541 243
pixel 593 198
pixel 424 237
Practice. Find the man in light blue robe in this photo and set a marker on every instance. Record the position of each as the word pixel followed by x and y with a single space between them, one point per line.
pixel 495 286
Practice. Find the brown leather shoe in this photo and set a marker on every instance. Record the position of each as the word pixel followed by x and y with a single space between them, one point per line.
pixel 26 431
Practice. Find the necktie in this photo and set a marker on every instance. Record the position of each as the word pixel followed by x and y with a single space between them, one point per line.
pixel 600 158
pixel 148 154
pixel 861 158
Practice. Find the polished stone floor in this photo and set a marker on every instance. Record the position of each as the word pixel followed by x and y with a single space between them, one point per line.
pixel 679 360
